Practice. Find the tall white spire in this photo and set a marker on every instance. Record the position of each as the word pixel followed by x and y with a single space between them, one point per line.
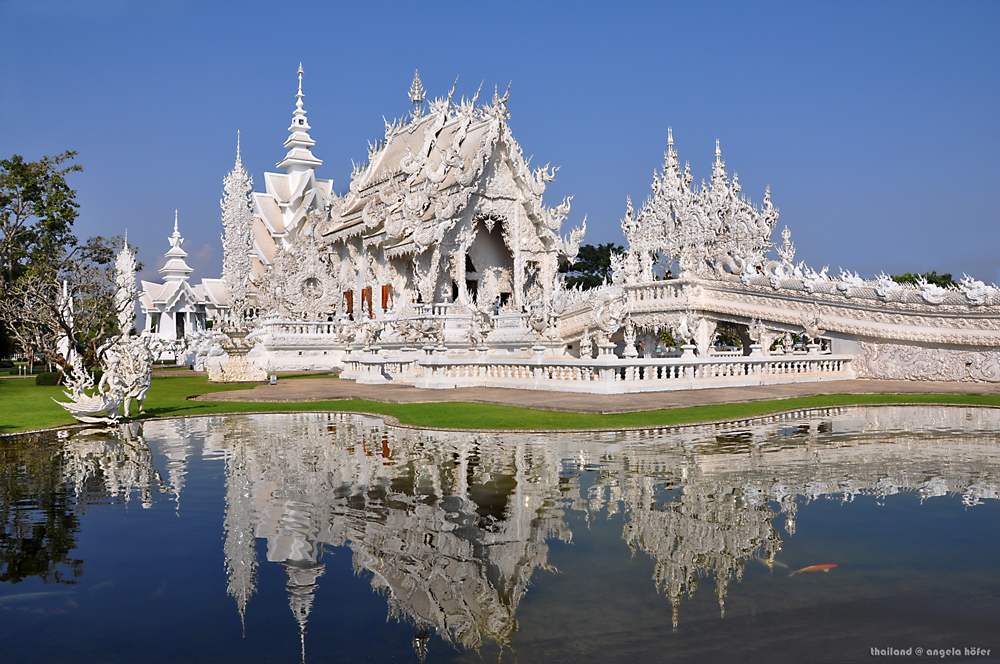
pixel 299 157
pixel 237 238
pixel 175 268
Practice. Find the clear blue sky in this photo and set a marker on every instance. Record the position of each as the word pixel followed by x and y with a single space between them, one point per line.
pixel 875 124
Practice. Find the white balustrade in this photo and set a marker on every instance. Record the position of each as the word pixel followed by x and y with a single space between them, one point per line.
pixel 613 375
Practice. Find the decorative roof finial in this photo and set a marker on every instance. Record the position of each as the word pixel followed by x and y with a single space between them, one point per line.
pixel 670 137
pixel 718 152
pixel 175 222
pixel 237 145
pixel 416 89
pixel 299 142
pixel 300 95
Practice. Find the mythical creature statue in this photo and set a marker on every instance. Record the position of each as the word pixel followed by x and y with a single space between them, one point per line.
pixel 630 349
pixel 127 361
pixel 608 312
pixel 931 293
pixel 685 329
pixel 586 345
pixel 886 287
pixel 976 291
pixel 812 327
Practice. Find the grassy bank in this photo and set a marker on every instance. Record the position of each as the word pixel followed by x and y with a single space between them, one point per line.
pixel 24 406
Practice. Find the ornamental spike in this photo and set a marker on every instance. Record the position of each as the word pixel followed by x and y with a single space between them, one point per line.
pixel 299 95
pixel 416 89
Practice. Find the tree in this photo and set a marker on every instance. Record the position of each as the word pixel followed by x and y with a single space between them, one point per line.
pixel 932 277
pixel 38 313
pixel 37 211
pixel 592 266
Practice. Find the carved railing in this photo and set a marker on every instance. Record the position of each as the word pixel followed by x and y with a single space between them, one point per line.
pixel 286 328
pixel 612 375
pixel 509 321
pixel 657 295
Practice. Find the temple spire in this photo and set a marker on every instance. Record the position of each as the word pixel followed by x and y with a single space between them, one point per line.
pixel 670 137
pixel 299 157
pixel 718 152
pixel 416 93
pixel 175 269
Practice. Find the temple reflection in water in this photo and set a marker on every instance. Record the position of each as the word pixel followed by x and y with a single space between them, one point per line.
pixel 451 526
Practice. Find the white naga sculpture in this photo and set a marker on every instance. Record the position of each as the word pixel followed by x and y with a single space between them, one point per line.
pixel 126 360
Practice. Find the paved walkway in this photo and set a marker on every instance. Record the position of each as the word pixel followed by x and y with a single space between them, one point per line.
pixel 332 389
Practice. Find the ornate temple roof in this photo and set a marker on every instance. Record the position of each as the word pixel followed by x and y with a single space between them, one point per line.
pixel 417 182
pixel 421 176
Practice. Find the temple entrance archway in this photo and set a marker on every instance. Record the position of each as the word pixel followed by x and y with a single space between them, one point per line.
pixel 489 265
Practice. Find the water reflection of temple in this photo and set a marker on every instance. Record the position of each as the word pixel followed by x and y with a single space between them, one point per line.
pixel 451 526
pixel 449 531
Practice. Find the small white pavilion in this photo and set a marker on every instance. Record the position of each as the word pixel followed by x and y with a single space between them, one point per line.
pixel 175 308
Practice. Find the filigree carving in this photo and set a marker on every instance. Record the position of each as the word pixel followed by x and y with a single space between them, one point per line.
pixel 892 361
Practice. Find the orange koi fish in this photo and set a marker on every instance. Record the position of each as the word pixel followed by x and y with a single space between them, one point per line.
pixel 814 568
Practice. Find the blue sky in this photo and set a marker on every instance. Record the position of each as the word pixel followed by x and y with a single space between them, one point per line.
pixel 875 124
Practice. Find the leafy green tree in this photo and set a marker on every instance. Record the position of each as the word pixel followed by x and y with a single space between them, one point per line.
pixel 39 252
pixel 37 211
pixel 36 314
pixel 592 266
pixel 932 277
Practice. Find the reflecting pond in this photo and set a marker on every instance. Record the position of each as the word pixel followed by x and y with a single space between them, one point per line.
pixel 810 536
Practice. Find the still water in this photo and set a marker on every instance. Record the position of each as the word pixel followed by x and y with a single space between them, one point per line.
pixel 334 537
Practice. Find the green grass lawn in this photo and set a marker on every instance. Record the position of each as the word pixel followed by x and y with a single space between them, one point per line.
pixel 24 406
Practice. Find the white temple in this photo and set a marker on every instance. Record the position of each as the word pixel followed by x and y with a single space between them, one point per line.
pixel 174 309
pixel 439 268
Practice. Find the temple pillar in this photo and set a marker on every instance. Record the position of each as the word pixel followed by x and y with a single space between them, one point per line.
pixel 704 333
